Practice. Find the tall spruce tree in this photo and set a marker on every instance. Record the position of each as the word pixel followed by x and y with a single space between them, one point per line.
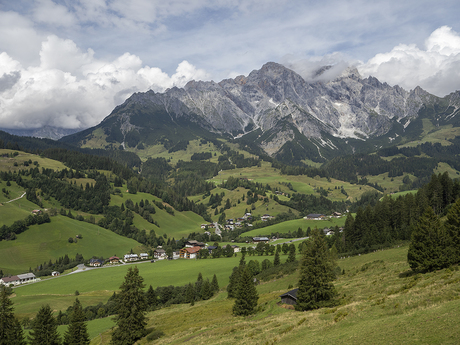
pixel 131 310
pixel 291 256
pixel 246 295
pixel 232 286
pixel 214 284
pixel 316 289
pixel 276 260
pixel 44 328
pixel 77 333
pixel 10 329
pixel 426 252
pixel 452 232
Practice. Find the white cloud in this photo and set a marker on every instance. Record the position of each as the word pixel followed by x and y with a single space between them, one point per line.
pixel 435 68
pixel 48 12
pixel 72 89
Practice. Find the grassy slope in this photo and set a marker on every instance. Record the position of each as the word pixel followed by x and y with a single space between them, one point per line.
pixel 302 184
pixel 377 289
pixel 381 303
pixel 293 225
pixel 177 226
pixel 50 241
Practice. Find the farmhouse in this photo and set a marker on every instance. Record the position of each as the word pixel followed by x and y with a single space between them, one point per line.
pixel 55 274
pixel 96 262
pixel 159 253
pixel 27 277
pixel 19 279
pixel 144 256
pixel 289 297
pixel 189 253
pixel 131 257
pixel 114 259
pixel 10 280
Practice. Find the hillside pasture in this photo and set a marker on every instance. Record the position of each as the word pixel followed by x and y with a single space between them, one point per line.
pixel 47 241
pixel 178 225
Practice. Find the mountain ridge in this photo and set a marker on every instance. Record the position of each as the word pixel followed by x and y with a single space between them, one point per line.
pixel 324 113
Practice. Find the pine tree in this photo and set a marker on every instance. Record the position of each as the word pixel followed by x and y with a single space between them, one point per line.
pixel 10 329
pixel 452 226
pixel 131 310
pixel 206 292
pixel 316 274
pixel 276 260
pixel 77 334
pixel 44 328
pixel 232 286
pixel 246 295
pixel 426 248
pixel 291 256
pixel 214 284
pixel 190 294
pixel 151 298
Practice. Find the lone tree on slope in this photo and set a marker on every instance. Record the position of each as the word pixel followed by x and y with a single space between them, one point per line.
pixel 316 275
pixel 131 310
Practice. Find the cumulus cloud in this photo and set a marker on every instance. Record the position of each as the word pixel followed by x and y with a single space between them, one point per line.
pixel 435 68
pixel 70 88
pixel 313 68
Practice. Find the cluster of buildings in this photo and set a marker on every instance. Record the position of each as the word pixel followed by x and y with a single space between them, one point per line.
pixel 238 222
pixel 190 251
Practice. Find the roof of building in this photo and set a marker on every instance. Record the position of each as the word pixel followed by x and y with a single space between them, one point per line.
pixel 260 239
pixel 315 215
pixel 114 258
pixel 193 250
pixel 292 293
pixel 10 279
pixel 26 276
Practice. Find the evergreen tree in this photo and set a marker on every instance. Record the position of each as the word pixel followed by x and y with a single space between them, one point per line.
pixel 291 256
pixel 452 231
pixel 276 260
pixel 206 291
pixel 190 294
pixel 426 248
pixel 214 284
pixel 44 328
pixel 131 310
pixel 77 333
pixel 151 297
pixel 246 295
pixel 10 329
pixel 316 274
pixel 232 286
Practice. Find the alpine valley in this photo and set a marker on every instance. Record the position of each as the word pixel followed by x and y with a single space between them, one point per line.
pixel 232 199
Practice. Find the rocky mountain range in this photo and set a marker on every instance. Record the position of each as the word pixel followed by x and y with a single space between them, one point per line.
pixel 276 108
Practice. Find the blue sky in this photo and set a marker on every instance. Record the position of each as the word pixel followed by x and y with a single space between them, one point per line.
pixel 68 63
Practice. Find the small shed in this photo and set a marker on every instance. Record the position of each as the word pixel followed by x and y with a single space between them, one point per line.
pixel 289 297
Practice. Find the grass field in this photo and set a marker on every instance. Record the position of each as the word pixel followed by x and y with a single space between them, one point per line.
pixel 301 184
pixel 380 303
pixel 41 243
pixel 7 164
pixel 293 225
pixel 178 225
pixel 376 289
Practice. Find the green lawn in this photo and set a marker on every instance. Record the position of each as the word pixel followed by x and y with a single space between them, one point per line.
pixel 41 243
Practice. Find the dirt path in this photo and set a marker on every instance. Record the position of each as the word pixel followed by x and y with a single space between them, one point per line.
pixel 16 198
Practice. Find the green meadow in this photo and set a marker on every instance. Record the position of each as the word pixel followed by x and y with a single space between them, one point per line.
pixel 178 225
pixel 47 241
pixel 266 174
pixel 7 163
pixel 375 289
pixel 380 302
pixel 293 225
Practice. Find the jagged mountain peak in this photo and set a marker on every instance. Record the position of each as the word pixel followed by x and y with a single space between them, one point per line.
pixel 282 105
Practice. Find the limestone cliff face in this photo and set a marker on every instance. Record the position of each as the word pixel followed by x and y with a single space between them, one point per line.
pixel 346 107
